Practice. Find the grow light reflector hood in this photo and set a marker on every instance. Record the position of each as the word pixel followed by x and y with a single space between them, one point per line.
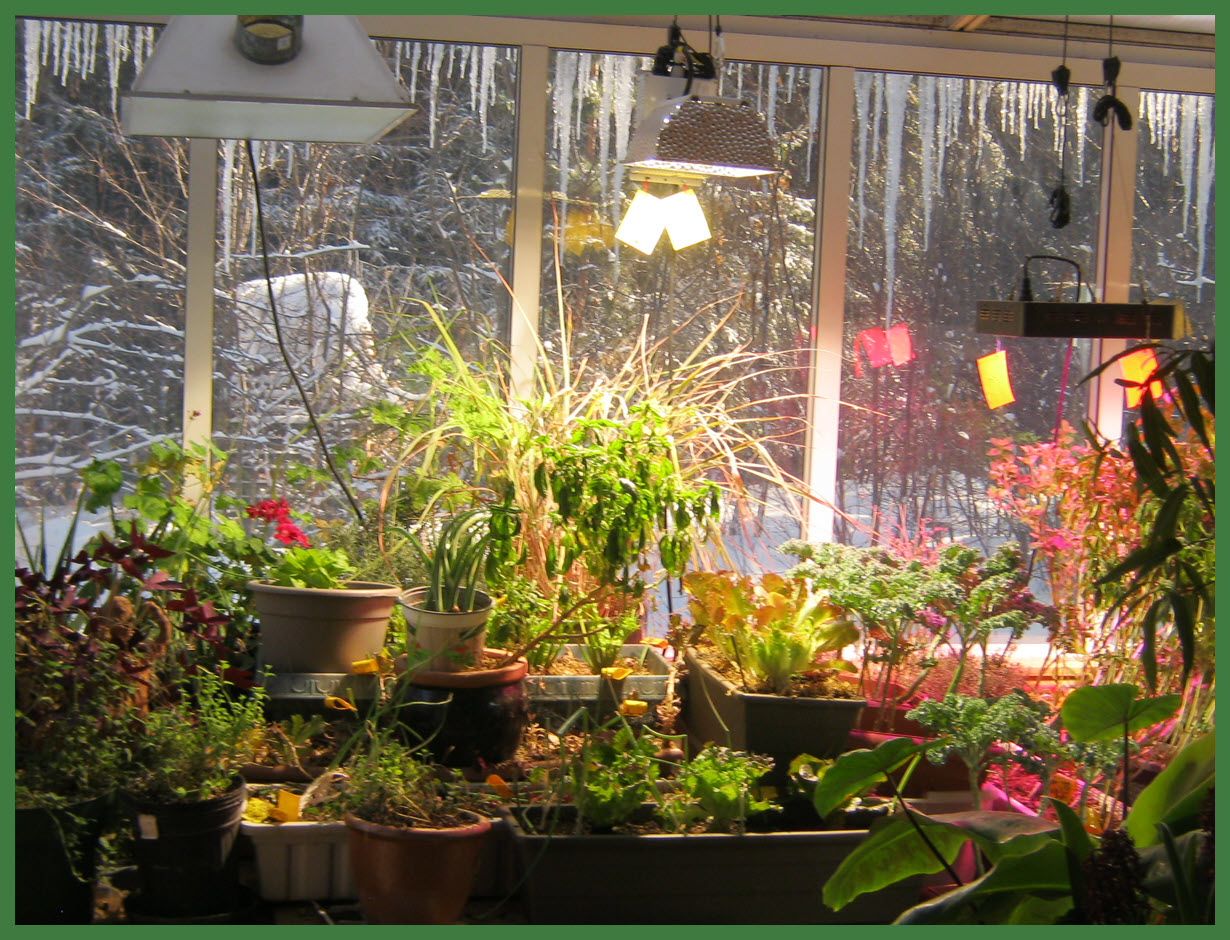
pixel 198 84
pixel 710 136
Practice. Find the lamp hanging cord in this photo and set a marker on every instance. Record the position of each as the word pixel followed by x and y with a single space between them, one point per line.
pixel 1061 204
pixel 277 332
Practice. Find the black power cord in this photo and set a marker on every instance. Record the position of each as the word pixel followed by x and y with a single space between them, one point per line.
pixel 277 332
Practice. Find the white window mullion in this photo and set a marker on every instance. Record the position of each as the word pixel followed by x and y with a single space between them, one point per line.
pixel 199 290
pixel 530 173
pixel 828 300
pixel 1112 283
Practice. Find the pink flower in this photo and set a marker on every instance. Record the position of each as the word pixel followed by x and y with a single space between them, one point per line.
pixel 290 534
pixel 270 510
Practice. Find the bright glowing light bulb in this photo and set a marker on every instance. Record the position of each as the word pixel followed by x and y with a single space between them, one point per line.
pixel 685 220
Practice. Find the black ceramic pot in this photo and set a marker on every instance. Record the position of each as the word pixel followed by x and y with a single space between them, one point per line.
pixel 55 853
pixel 467 718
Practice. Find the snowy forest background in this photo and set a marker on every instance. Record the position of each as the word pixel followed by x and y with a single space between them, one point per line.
pixel 950 181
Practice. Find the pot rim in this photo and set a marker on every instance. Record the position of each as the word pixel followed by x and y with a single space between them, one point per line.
pixel 351 589
pixel 480 825
pixel 406 598
pixel 472 679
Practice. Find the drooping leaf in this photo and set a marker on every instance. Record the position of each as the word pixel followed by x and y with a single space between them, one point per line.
pixel 1040 874
pixel 893 850
pixel 1175 795
pixel 857 771
pixel 1101 712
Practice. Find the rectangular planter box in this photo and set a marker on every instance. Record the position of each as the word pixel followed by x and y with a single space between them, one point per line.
pixel 554 698
pixel 302 861
pixel 709 878
pixel 777 725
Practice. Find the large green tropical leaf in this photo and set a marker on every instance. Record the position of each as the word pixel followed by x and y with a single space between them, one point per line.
pixel 1018 883
pixel 893 850
pixel 1175 795
pixel 1103 712
pixel 855 772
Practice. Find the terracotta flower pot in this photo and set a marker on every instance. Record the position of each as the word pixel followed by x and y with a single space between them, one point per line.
pixel 321 630
pixel 414 876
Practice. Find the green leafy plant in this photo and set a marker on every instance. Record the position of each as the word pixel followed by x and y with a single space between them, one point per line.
pixel 468 549
pixel 719 785
pixel 193 747
pixel 609 780
pixel 770 628
pixel 972 728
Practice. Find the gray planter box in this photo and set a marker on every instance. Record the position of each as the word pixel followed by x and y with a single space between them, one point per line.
pixel 709 878
pixel 554 698
pixel 779 726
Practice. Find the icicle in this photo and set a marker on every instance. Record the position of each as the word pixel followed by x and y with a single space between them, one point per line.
pixel 813 117
pixel 606 100
pixel 433 90
pixel 228 202
pixel 896 93
pixel 1204 185
pixel 926 134
pixel 877 113
pixel 622 108
pixel 770 94
pixel 863 118
pixel 32 34
pixel 490 58
pixel 1187 158
pixel 563 91
pixel 415 56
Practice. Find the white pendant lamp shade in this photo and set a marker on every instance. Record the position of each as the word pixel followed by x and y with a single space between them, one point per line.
pixel 710 136
pixel 198 84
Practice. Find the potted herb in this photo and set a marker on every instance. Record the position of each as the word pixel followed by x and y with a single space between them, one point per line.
pixel 415 845
pixel 313 618
pixel 687 841
pixel 446 618
pixel 186 797
pixel 757 678
pixel 91 628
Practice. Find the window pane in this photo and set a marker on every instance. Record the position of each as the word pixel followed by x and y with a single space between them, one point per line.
pixel 1175 205
pixel 747 287
pixel 100 249
pixel 950 194
pixel 359 237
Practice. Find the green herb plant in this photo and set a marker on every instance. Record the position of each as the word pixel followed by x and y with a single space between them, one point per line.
pixel 717 785
pixel 770 628
pixel 193 747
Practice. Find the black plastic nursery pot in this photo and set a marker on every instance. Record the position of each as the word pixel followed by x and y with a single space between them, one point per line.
pixel 184 852
pixel 55 856
pixel 705 878
pixel 467 718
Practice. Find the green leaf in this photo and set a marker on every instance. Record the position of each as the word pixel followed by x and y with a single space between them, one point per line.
pixel 855 772
pixel 893 850
pixel 1143 559
pixel 103 479
pixel 1017 878
pixel 1101 712
pixel 1175 795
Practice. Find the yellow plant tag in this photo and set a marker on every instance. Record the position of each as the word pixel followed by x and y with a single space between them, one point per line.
pixel 288 805
pixel 365 667
pixel 633 708
pixel 616 673
pixel 338 703
pixel 502 789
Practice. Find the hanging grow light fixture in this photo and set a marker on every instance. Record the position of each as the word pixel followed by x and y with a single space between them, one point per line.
pixel 685 138
pixel 311 78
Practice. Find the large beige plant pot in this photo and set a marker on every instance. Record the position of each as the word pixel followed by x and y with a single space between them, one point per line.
pixel 452 641
pixel 322 630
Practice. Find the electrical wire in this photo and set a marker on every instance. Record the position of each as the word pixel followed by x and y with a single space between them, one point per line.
pixel 277 332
